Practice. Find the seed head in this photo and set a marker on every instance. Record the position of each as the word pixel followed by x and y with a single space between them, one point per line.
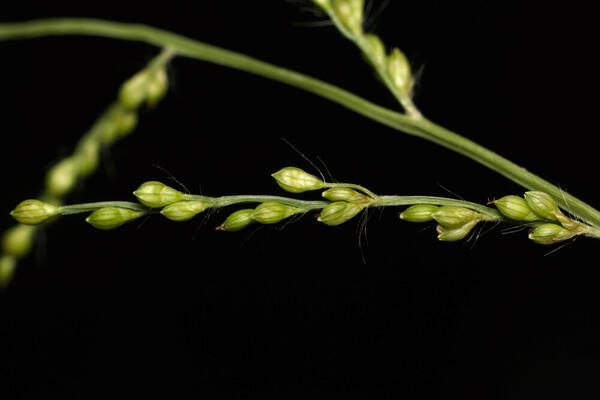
pixel 399 70
pixel 17 240
pixel 271 212
pixel 339 212
pixel 542 204
pixel 237 221
pixel 419 213
pixel 157 194
pixel 126 122
pixel 446 234
pixel 345 194
pixel 108 128
pixel 295 180
pixel 33 212
pixel 184 210
pixel 112 217
pixel 61 178
pixel 88 157
pixel 569 224
pixel 550 234
pixel 133 91
pixel 515 207
pixel 350 13
pixel 376 48
pixel 157 87
pixel 454 216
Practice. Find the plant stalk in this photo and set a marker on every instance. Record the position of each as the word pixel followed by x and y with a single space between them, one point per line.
pixel 418 126
pixel 89 207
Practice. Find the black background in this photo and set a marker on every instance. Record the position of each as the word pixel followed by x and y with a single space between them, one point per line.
pixel 302 308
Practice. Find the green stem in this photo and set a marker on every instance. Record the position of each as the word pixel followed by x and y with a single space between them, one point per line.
pixel 89 207
pixel 161 60
pixel 419 126
pixel 381 70
pixel 181 45
pixel 507 168
pixel 386 201
pixel 307 205
pixel 224 201
pixel 489 214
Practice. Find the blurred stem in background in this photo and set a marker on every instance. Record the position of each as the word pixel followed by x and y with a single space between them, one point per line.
pixel 148 86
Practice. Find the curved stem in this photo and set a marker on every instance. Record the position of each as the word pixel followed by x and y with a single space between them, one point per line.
pixel 89 207
pixel 181 45
pixel 417 126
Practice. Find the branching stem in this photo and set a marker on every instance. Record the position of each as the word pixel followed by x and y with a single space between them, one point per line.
pixel 418 126
pixel 362 44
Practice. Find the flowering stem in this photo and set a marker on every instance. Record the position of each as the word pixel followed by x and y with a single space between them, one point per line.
pixel 489 214
pixel 414 125
pixel 362 44
pixel 184 46
pixel 102 134
pixel 307 205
